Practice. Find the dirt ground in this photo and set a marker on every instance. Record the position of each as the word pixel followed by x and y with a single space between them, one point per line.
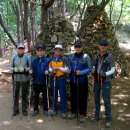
pixel 120 111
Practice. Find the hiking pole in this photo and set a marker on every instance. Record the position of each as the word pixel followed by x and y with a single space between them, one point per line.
pixel 20 95
pixel 14 88
pixel 48 103
pixel 29 97
pixel 54 94
pixel 67 92
pixel 77 84
pixel 100 104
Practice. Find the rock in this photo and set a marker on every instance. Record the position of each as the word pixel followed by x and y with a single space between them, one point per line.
pixel 99 28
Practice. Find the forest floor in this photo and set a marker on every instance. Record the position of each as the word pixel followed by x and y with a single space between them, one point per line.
pixel 120 109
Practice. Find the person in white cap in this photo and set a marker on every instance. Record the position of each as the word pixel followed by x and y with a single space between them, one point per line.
pixel 58 67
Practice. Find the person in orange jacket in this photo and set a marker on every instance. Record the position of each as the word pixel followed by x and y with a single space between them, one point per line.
pixel 58 67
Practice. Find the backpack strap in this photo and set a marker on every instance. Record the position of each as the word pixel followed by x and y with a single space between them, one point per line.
pixel 26 57
pixel 85 57
pixel 14 59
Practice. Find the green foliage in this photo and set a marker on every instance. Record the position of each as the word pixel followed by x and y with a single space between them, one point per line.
pixel 116 10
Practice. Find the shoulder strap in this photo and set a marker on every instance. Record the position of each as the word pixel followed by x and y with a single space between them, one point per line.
pixel 14 59
pixel 85 57
pixel 26 57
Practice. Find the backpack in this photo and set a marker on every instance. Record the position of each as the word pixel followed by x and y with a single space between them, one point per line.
pixel 84 57
pixel 26 58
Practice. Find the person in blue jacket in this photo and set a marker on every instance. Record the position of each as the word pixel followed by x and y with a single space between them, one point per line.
pixel 40 70
pixel 80 67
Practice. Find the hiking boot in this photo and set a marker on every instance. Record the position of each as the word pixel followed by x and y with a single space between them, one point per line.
pixel 15 113
pixel 63 115
pixel 82 118
pixel 35 113
pixel 53 113
pixel 94 118
pixel 108 124
pixel 71 115
pixel 45 113
pixel 25 113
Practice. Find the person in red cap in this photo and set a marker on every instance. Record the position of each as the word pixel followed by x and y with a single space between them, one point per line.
pixel 103 68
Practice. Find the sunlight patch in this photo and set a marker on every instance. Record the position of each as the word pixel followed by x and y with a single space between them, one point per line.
pixel 39 120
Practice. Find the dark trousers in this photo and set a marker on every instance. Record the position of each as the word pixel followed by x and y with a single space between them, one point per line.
pixel 106 95
pixel 24 94
pixel 42 88
pixel 81 96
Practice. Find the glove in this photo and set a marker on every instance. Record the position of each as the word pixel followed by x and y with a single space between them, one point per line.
pixel 16 69
pixel 46 72
pixel 103 74
pixel 21 69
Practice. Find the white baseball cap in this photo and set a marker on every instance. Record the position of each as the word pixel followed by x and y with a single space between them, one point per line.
pixel 58 46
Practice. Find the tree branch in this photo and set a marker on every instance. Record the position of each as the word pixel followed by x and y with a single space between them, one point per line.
pixel 93 17
pixel 6 31
pixel 49 3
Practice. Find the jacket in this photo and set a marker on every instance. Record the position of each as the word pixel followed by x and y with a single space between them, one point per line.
pixel 39 66
pixel 20 61
pixel 77 62
pixel 60 62
pixel 103 64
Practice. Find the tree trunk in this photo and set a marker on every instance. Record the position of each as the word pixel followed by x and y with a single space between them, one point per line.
pixel 21 21
pixel 1 55
pixel 32 19
pixel 18 21
pixel 25 27
pixel 44 9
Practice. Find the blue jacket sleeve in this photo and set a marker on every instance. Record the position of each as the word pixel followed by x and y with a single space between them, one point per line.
pixel 89 67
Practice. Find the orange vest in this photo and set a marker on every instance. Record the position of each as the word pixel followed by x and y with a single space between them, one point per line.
pixel 57 64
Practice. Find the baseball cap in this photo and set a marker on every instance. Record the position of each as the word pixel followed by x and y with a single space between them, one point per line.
pixel 103 42
pixel 20 45
pixel 40 47
pixel 78 43
pixel 58 46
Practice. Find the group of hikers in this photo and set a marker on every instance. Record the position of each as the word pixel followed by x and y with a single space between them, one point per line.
pixel 77 66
